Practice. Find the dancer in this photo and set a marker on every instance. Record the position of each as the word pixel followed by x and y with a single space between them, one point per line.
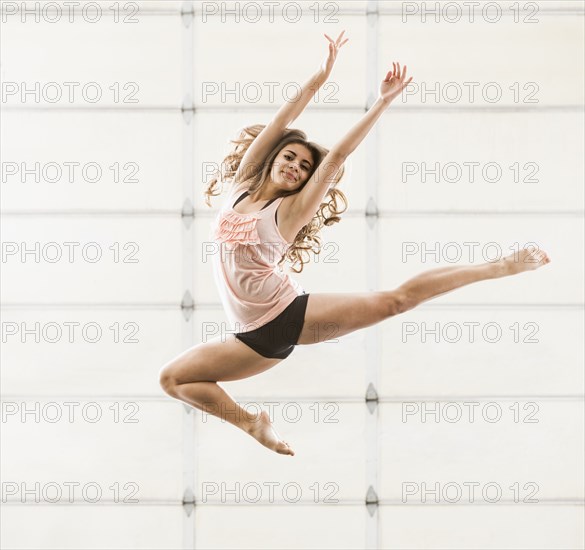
pixel 283 190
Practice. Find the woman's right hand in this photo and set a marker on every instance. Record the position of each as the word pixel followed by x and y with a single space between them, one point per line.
pixel 334 47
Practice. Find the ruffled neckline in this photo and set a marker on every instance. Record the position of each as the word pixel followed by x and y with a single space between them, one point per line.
pixel 236 228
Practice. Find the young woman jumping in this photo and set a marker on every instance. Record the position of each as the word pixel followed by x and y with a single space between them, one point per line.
pixel 282 192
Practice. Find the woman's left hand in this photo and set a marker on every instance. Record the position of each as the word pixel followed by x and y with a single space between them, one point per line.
pixel 392 86
pixel 334 47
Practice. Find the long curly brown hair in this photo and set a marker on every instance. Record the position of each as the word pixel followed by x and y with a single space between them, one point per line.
pixel 307 239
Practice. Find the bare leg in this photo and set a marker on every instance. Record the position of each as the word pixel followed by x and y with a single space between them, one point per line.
pixel 213 399
pixel 192 377
pixel 436 282
pixel 329 316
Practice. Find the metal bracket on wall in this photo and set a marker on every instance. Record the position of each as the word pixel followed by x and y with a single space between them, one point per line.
pixel 187 109
pixel 188 501
pixel 371 501
pixel 187 213
pixel 187 13
pixel 371 398
pixel 371 213
pixel 187 305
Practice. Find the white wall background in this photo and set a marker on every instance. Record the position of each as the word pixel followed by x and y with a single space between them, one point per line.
pixel 151 295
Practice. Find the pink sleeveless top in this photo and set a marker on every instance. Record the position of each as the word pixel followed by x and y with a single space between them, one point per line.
pixel 252 289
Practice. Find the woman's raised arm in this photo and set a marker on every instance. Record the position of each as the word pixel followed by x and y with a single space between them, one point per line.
pixel 308 200
pixel 390 88
pixel 274 130
pixel 291 110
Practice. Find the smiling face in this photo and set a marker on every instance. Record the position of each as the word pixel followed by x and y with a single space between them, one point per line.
pixel 292 166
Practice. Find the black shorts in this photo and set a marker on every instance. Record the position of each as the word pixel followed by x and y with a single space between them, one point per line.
pixel 278 338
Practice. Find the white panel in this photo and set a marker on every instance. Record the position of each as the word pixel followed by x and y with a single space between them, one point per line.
pixel 447 236
pixel 323 435
pixel 522 351
pixel 214 130
pixel 324 11
pixel 123 160
pixel 536 161
pixel 288 527
pixel 75 351
pixel 134 444
pixel 548 53
pixel 515 527
pixel 91 527
pixel 525 12
pixel 144 265
pixel 138 65
pixel 296 52
pixel 126 12
pixel 162 5
pixel 174 6
pixel 459 448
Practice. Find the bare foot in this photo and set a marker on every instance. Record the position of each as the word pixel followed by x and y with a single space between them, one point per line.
pixel 261 430
pixel 524 260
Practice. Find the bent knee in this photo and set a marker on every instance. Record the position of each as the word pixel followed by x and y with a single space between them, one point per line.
pixel 399 302
pixel 167 381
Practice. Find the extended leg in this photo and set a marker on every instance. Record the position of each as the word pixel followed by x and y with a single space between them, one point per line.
pixel 330 316
pixel 437 282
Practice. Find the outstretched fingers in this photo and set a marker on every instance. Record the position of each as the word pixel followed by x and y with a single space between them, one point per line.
pixel 397 71
pixel 336 42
